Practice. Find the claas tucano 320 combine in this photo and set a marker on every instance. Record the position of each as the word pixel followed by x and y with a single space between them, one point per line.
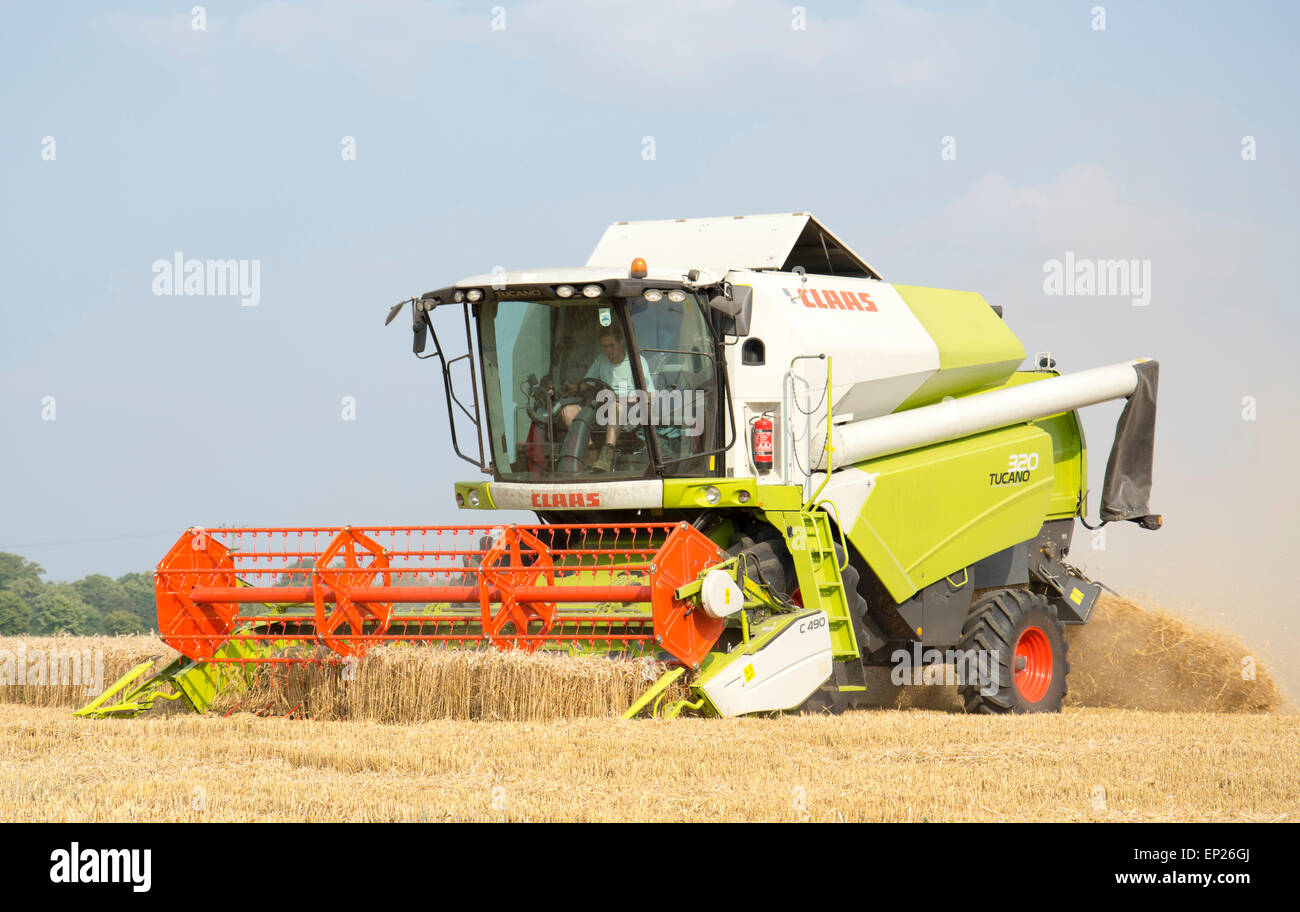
pixel 749 457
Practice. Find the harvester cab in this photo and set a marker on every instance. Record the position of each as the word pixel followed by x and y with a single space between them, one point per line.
pixel 750 458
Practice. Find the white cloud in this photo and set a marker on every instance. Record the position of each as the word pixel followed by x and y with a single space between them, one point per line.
pixel 293 30
pixel 696 53
pixel 170 32
pixel 729 51
pixel 999 226
pixel 383 42
pixel 693 54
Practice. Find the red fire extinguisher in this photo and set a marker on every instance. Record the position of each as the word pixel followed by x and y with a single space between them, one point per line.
pixel 760 442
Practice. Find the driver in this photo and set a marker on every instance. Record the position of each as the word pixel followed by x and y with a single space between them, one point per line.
pixel 614 369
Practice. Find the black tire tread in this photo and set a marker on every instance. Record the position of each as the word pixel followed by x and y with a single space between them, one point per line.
pixel 990 625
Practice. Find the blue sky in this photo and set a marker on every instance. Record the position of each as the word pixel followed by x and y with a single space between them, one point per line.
pixel 478 147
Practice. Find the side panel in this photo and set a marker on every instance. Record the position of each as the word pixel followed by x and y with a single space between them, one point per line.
pixel 919 516
pixel 1068 458
pixel 1069 449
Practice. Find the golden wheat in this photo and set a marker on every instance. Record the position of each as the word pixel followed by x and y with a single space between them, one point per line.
pixel 55 658
pixel 405 684
pixel 1125 657
pixel 541 760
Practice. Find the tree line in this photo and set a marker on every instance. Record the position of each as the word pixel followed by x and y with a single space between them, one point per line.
pixel 94 604
pixel 98 604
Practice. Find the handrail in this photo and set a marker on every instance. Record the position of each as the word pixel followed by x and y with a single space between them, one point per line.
pixel 829 447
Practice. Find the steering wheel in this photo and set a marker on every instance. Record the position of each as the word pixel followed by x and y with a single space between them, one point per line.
pixel 589 387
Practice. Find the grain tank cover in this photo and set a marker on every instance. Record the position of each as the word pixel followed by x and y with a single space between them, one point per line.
pixel 893 346
pixel 976 348
pixel 780 242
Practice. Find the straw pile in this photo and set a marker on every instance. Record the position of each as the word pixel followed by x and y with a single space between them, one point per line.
pixel 1132 657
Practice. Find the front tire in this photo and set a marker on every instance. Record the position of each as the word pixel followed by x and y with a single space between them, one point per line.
pixel 1016 632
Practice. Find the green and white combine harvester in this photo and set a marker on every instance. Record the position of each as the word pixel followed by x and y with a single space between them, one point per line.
pixel 749 457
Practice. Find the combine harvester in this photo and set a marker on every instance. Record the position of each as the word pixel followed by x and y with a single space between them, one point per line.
pixel 749 457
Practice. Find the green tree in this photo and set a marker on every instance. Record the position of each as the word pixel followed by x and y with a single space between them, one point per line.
pixel 26 589
pixel 103 593
pixel 302 576
pixel 139 588
pixel 57 611
pixel 119 622
pixel 92 622
pixel 15 615
pixel 91 617
pixel 15 569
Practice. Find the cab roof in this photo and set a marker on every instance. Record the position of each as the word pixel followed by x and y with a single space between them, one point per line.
pixel 572 275
pixel 781 242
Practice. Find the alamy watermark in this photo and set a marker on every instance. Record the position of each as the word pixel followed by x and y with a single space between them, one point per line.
pixel 1098 278
pixel 949 666
pixel 179 276
pixel 52 667
pixel 75 865
pixel 670 408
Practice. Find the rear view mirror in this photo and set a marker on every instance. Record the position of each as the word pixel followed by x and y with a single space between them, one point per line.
pixel 736 302
pixel 421 329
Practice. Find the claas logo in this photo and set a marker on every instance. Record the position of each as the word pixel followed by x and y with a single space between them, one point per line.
pixel 829 299
pixel 566 499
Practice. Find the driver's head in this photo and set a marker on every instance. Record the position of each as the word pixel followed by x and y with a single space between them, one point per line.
pixel 611 343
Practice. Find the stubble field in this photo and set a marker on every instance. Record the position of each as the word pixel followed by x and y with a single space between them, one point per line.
pixel 1161 724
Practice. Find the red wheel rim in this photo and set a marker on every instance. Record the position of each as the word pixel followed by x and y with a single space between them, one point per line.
pixel 1033 664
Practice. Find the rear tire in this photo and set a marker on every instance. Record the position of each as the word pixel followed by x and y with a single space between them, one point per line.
pixel 1022 630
